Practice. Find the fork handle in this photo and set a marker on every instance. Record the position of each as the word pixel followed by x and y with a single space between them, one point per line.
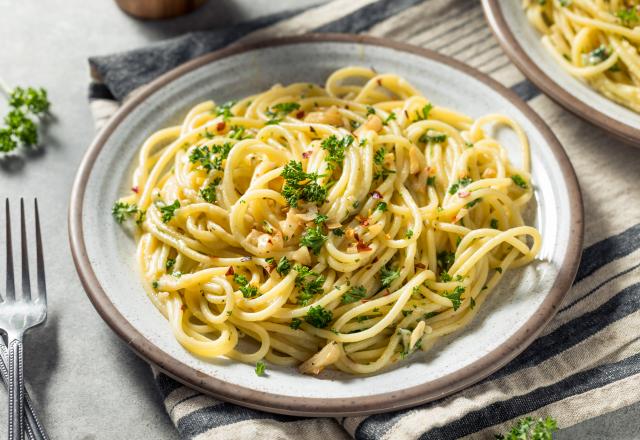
pixel 16 388
pixel 33 428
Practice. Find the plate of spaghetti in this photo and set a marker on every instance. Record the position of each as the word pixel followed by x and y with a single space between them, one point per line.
pixel 585 54
pixel 326 225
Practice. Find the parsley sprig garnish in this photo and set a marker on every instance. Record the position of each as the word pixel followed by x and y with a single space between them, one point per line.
pixel 301 186
pixel 224 110
pixel 319 317
pixel 27 106
pixel 284 266
pixel 169 211
pixel 388 275
pixel 355 293
pixel 455 296
pixel 530 429
pixel 314 239
pixel 211 159
pixel 336 148
pixel 208 193
pixel 382 172
pixel 279 111
pixel 459 184
pixel 248 291
pixel 309 282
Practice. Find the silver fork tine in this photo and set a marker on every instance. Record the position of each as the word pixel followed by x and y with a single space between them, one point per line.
pixel 42 287
pixel 26 284
pixel 11 288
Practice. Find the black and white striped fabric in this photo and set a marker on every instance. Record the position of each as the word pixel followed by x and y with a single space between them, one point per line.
pixel 586 362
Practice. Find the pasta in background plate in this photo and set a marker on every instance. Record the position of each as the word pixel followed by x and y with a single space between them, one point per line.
pixel 343 226
pixel 596 41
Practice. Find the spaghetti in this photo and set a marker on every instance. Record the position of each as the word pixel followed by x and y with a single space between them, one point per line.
pixel 346 226
pixel 596 41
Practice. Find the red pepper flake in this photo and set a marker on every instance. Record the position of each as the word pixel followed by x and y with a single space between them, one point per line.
pixel 420 266
pixel 363 247
pixel 221 126
pixel 463 194
pixel 230 271
pixel 135 189
pixel 355 235
pixel 300 114
pixel 364 301
pixel 364 221
pixel 376 195
pixel 379 82
pixel 387 292
pixel 307 154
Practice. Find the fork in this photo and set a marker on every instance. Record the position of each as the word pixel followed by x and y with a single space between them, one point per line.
pixel 19 314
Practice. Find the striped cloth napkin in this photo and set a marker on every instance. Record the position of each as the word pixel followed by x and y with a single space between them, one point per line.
pixel 585 363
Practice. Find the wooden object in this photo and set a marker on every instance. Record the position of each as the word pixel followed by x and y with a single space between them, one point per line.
pixel 158 9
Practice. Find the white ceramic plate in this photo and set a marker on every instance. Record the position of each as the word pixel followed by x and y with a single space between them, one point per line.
pixel 526 300
pixel 521 42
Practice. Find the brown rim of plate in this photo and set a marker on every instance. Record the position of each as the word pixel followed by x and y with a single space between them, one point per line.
pixel 326 406
pixel 499 27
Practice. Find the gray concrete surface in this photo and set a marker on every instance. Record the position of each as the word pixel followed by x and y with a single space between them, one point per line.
pixel 85 381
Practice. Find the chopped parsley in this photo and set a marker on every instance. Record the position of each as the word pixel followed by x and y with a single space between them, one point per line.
pixel 154 284
pixel 121 211
pixel 286 107
pixel 170 263
pixel 381 206
pixel 433 138
pixel 494 223
pixel 370 110
pixel 388 275
pixel 238 132
pixel 209 192
pixel 284 266
pixel 260 368
pixel 409 233
pixel 518 180
pixel 339 232
pixel 455 296
pixel 424 113
pixel 336 149
pixel 378 157
pixel 472 303
pixel 431 181
pixel 319 317
pixel 295 323
pixel 279 111
pixel 430 315
pixel 458 184
pixel 320 219
pixel 309 283
pixel 445 259
pixel 445 277
pixel 210 159
pixel 248 291
pixel 391 117
pixel 628 17
pixel 224 110
pixel 169 211
pixel 597 55
pixel 355 293
pixel 314 239
pixel 301 186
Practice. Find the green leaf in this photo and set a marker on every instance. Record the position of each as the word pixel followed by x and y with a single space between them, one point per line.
pixel 319 317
